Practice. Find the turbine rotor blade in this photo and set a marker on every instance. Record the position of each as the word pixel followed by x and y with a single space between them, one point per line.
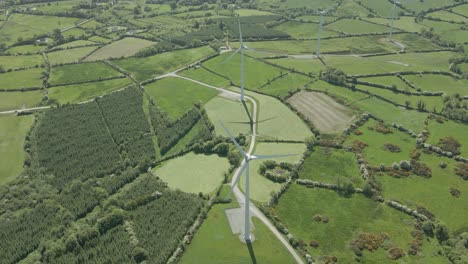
pixel 242 152
pixel 256 157
pixel 232 55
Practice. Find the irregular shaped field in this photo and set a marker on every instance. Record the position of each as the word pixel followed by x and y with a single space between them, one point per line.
pixel 69 55
pixel 194 173
pixel 231 113
pixel 13 130
pixel 122 48
pixel 327 115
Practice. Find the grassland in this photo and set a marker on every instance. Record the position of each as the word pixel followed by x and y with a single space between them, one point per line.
pixel 21 79
pixel 19 100
pixel 231 113
pixel 84 92
pixel 356 26
pixel 15 62
pixel 13 130
pixel 300 30
pixel 122 48
pixel 176 96
pixel 439 83
pixel 382 8
pixel 282 86
pixel 305 65
pixel 448 129
pixel 69 55
pixel 146 68
pixel 24 49
pixel 258 73
pixel 271 119
pixel 260 187
pixel 205 76
pixel 75 44
pixel 448 16
pixel 375 153
pixel 388 81
pixel 434 193
pixel 194 173
pixel 81 72
pixel 215 243
pixel 403 23
pixel 330 165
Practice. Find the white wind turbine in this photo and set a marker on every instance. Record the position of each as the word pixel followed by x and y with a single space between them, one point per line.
pixel 319 31
pixel 245 167
pixel 393 18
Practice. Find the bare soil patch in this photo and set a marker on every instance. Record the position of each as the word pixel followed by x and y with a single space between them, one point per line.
pixel 327 115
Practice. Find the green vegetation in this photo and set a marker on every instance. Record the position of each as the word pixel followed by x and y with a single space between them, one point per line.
pixel 329 165
pixel 21 79
pixel 87 72
pixel 194 173
pixel 214 241
pixel 13 130
pixel 176 96
pixel 146 68
pixel 69 55
pixel 19 100
pixel 122 48
pixel 353 26
pixel 82 92
pixel 444 129
pixel 231 113
pixel 15 62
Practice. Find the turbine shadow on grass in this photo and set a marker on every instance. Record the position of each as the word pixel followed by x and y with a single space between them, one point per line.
pixel 258 122
pixel 251 252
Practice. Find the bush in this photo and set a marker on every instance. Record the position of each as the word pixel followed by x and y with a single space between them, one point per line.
pixel 450 144
pixel 395 253
pixel 462 170
pixel 391 147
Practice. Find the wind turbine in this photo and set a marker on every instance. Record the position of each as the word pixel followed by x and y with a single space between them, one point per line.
pixel 241 49
pixel 245 167
pixel 320 29
pixel 393 18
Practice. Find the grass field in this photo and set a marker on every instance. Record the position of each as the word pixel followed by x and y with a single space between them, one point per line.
pixel 231 113
pixel 24 49
pixel 389 81
pixel 375 154
pixel 82 92
pixel 21 79
pixel 439 83
pixel 176 96
pixel 282 86
pixel 69 55
pixel 382 8
pixel 348 217
pixel 328 116
pixel 328 165
pixel 434 193
pixel 122 48
pixel 145 68
pixel 256 73
pixel 349 8
pixel 13 130
pixel 300 30
pixel 15 62
pixel 87 72
pixel 273 115
pixel 19 100
pixel 305 65
pixel 447 16
pixel 403 23
pixel 426 4
pixel 194 173
pixel 99 39
pixel 76 43
pixel 355 26
pixel 205 76
pixel 261 187
pixel 215 243
pixel 449 129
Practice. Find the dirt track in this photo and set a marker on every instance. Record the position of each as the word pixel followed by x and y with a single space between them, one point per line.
pixel 326 114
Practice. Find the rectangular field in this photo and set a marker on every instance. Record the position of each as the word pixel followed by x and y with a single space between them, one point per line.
pixel 81 72
pixel 69 55
pixel 16 62
pixel 21 79
pixel 19 100
pixel 122 48
pixel 327 115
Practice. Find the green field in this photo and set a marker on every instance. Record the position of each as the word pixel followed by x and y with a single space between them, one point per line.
pixel 146 68
pixel 21 79
pixel 272 115
pixel 25 49
pixel 305 65
pixel 15 62
pixel 348 217
pixel 439 83
pixel 176 96
pixel 122 48
pixel 404 23
pixel 355 26
pixel 329 165
pixel 19 100
pixel 261 187
pixel 69 55
pixel 74 44
pixel 215 243
pixel 13 130
pixel 375 154
pixel 205 76
pixel 448 129
pixel 447 16
pixel 231 113
pixel 300 30
pixel 194 173
pixel 87 72
pixel 388 81
pixel 380 7
pixel 83 92
pixel 434 193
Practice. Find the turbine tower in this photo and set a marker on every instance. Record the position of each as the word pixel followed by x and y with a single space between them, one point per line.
pixel 319 31
pixel 241 49
pixel 393 18
pixel 245 167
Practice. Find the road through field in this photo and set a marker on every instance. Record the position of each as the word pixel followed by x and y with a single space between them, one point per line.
pixel 237 192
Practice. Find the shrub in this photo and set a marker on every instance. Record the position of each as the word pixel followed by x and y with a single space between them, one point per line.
pixel 450 144
pixel 391 147
pixel 358 146
pixel 421 169
pixel 454 192
pixel 314 243
pixel 462 170
pixel 382 128
pixel 405 165
pixel 395 253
